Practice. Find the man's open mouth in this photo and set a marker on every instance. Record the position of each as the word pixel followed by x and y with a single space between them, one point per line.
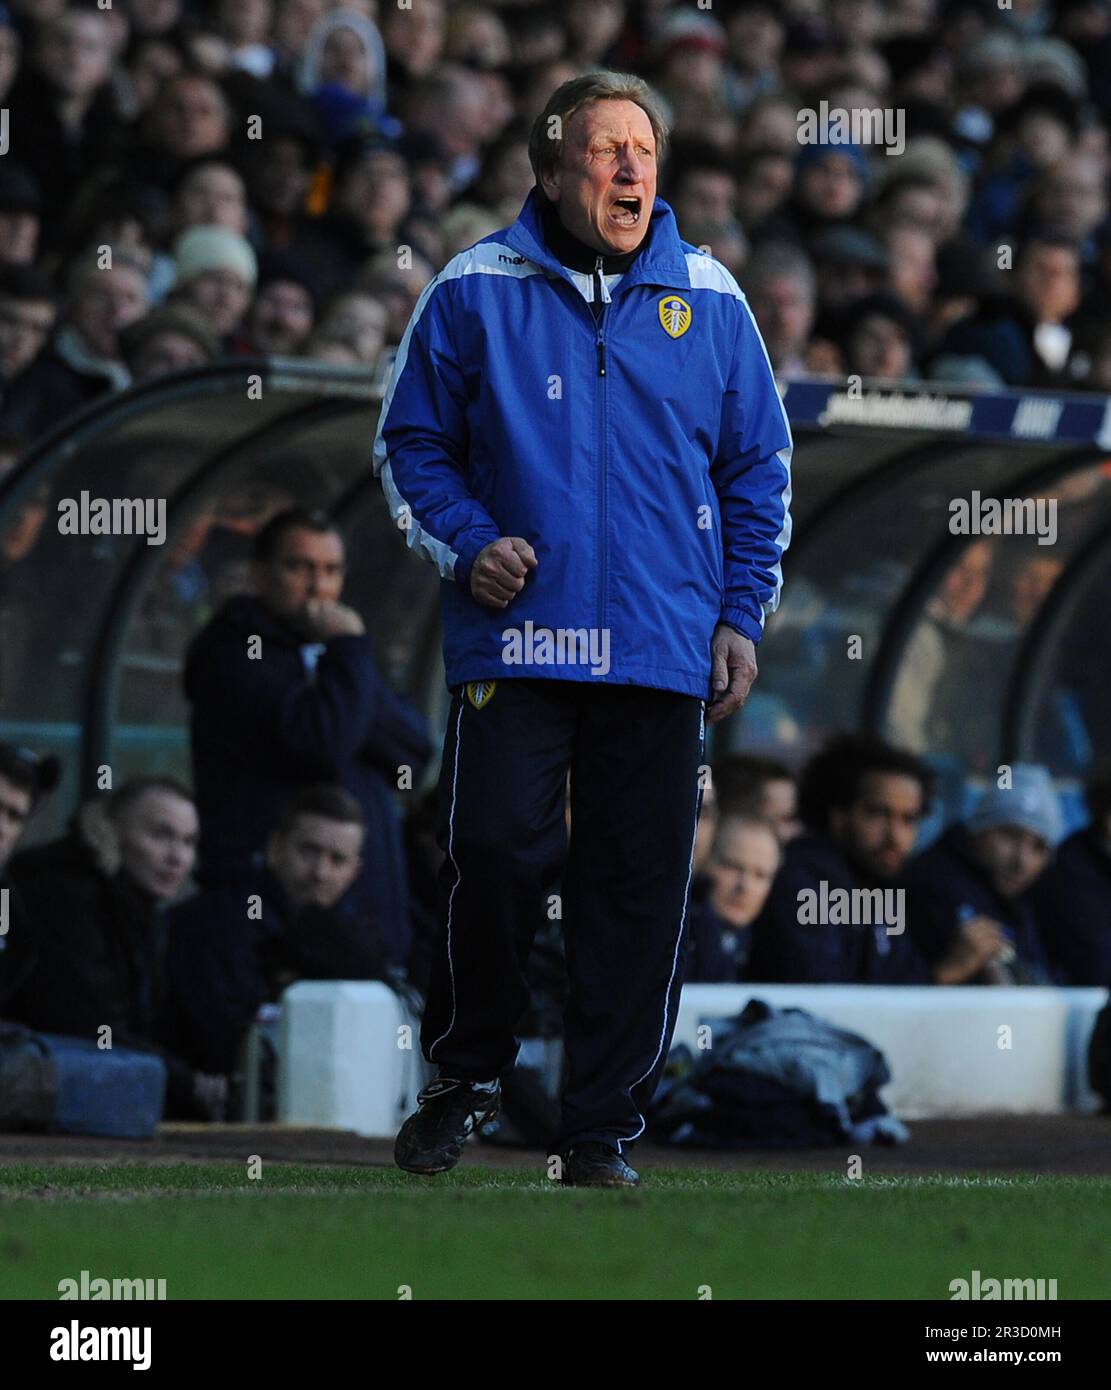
pixel 626 211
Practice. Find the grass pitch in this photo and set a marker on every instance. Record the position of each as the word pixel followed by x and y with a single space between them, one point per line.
pixel 370 1233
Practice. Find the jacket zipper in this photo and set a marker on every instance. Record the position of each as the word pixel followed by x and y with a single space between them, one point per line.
pixel 599 293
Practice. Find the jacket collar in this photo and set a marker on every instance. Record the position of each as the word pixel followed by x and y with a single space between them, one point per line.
pixel 659 261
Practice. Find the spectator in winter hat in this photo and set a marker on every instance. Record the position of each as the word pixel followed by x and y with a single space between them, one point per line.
pixel 830 186
pixel 216 273
pixel 690 49
pixel 977 876
pixel 343 71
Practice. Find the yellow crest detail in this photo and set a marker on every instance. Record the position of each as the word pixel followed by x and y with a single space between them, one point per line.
pixel 481 692
pixel 675 316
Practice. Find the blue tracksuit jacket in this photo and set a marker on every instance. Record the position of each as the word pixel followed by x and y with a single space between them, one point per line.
pixel 645 457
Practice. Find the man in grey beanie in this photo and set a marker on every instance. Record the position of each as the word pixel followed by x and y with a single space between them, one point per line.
pixel 216 273
pixel 980 872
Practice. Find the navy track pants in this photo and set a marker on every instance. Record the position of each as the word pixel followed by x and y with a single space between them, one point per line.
pixel 634 755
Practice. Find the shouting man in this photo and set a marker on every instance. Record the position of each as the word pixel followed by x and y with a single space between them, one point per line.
pixel 583 433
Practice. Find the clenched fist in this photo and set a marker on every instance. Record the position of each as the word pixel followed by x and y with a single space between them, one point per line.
pixel 498 574
pixel 974 945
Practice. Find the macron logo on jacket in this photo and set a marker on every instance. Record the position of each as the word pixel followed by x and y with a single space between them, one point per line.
pixel 643 453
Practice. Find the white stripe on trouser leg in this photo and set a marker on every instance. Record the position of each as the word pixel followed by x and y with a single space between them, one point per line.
pixel 458 875
pixel 682 924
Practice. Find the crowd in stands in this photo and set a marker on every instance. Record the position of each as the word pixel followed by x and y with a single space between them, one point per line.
pixel 286 177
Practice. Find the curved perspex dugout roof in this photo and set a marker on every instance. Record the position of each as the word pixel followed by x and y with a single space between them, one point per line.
pixel 970 647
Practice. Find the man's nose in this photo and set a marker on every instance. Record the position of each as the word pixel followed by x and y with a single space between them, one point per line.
pixel 632 167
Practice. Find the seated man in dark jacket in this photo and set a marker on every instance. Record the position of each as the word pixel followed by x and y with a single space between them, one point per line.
pixel 1072 899
pixel 231 949
pixel 286 693
pixel 835 914
pixel 728 898
pixel 93 901
pixel 976 876
pixel 24 780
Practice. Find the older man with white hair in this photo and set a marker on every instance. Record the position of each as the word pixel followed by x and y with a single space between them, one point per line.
pixel 582 432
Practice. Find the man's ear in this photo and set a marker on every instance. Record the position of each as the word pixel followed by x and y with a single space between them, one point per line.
pixel 550 181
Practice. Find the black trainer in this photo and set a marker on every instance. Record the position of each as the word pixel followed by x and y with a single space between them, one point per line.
pixel 431 1140
pixel 593 1164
